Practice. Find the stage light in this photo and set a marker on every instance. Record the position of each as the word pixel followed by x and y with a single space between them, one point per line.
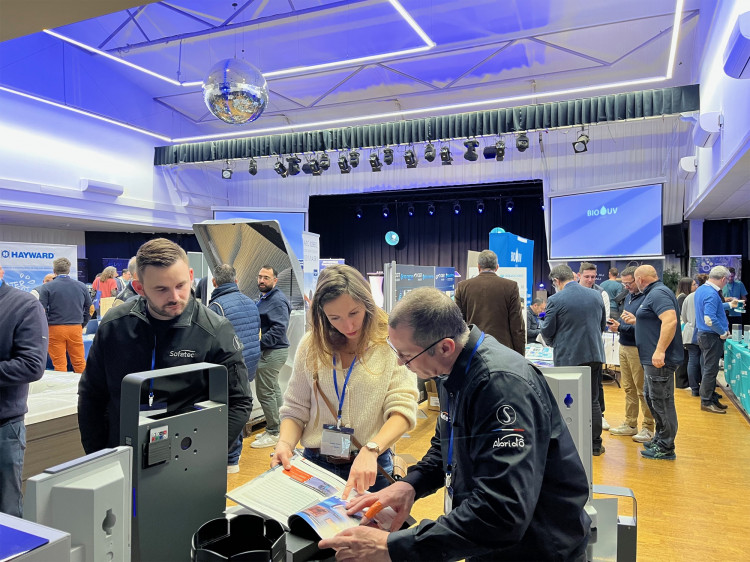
pixel 358 212
pixel 344 164
pixel 252 167
pixel 226 173
pixel 410 210
pixel 325 161
pixel 582 144
pixel 522 142
pixel 541 203
pixel 497 152
pixel 293 165
pixel 429 152
pixel 445 156
pixel 456 208
pixel 386 211
pixel 375 162
pixel 354 158
pixel 280 169
pixel 471 150
pixel 388 156
pixel 410 157
pixel 480 207
pixel 509 205
pixel 312 166
pixel 541 285
pixel 430 209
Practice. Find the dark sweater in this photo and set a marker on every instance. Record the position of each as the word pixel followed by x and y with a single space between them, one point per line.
pixel 67 301
pixel 23 349
pixel 274 309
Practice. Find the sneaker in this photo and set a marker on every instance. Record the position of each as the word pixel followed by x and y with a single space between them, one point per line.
pixel 649 445
pixel 643 436
pixel 268 440
pixel 261 435
pixel 233 468
pixel 605 424
pixel 658 453
pixel 713 408
pixel 599 451
pixel 623 429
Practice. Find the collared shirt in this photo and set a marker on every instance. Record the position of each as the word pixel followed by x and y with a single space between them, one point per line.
pixel 658 299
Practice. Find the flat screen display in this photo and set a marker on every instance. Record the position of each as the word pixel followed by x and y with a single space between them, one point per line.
pixel 607 224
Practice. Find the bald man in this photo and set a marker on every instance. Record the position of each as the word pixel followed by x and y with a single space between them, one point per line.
pixel 659 344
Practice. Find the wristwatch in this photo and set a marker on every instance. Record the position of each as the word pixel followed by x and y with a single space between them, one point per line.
pixel 372 446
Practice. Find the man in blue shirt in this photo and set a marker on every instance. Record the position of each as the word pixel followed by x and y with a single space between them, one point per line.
pixel 613 288
pixel 732 291
pixel 659 344
pixel 713 329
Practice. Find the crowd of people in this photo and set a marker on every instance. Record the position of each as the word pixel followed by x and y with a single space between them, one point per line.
pixel 514 483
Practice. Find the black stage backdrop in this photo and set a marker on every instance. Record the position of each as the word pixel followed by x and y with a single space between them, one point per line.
pixel 100 245
pixel 442 239
pixel 726 238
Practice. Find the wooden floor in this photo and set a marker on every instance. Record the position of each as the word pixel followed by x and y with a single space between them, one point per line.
pixel 695 508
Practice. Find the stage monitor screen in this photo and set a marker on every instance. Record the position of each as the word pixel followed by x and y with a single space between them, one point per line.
pixel 607 224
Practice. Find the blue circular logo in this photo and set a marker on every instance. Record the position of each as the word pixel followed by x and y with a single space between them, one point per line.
pixel 6 253
pixel 391 238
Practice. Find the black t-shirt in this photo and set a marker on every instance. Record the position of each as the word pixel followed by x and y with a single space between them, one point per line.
pixel 657 300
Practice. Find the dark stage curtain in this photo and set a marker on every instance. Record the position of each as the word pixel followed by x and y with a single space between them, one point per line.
pixel 442 239
pixel 728 237
pixel 100 245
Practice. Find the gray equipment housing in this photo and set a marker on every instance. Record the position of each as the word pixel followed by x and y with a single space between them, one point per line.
pixel 179 462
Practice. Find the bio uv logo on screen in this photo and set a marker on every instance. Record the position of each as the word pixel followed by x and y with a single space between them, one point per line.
pixel 601 212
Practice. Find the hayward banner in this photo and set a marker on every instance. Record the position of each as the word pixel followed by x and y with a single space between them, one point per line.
pixel 26 264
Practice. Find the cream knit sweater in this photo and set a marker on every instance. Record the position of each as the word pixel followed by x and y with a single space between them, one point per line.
pixel 377 388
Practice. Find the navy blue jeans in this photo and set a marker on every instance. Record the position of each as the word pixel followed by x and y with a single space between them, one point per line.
pixel 694 366
pixel 712 349
pixel 342 470
pixel 12 447
pixel 658 389
pixel 596 404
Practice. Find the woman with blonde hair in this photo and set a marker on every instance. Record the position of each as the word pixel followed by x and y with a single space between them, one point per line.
pixel 346 384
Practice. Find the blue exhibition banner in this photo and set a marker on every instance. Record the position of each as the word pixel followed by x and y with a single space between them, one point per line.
pixel 410 277
pixel 445 280
pixel 26 264
pixel 515 251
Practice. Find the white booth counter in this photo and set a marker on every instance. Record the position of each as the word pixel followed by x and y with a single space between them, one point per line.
pixel 52 435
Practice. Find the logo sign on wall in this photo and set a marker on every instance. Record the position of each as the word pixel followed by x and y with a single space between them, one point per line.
pixel 704 264
pixel 26 264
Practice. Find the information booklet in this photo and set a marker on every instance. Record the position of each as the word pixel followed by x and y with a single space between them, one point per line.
pixel 306 500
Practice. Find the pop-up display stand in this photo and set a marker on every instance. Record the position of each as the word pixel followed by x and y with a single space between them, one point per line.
pixel 179 459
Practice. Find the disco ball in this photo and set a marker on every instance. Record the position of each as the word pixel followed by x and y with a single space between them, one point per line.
pixel 235 91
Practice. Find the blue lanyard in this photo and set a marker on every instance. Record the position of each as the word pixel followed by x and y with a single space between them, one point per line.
pixel 343 390
pixel 151 381
pixel 450 403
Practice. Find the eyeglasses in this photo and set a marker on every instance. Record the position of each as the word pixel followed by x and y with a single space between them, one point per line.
pixel 407 361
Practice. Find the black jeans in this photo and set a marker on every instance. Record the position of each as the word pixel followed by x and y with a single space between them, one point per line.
pixel 712 349
pixel 596 409
pixel 658 388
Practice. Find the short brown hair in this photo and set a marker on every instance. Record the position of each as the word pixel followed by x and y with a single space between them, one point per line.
pixel 613 271
pixel 586 266
pixel 61 266
pixel 158 252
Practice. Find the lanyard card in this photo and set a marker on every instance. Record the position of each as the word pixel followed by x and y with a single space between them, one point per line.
pixel 336 441
pixel 448 495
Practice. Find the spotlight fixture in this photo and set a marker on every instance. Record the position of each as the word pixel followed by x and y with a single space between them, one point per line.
pixel 456 208
pixel 293 165
pixel 388 156
pixel 410 157
pixel 445 156
pixel 386 211
pixel 344 164
pixel 522 142
pixel 375 162
pixel 581 145
pixel 429 152
pixel 325 161
pixel 280 169
pixel 430 209
pixel 410 210
pixel 354 158
pixel 226 173
pixel 358 213
pixel 509 205
pixel 252 167
pixel 497 151
pixel 471 150
pixel 480 207
pixel 541 203
pixel 312 166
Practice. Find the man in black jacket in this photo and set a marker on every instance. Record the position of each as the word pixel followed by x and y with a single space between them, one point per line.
pixel 165 327
pixel 515 484
pixel 23 353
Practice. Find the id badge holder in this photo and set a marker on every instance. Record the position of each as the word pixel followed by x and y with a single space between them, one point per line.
pixel 448 495
pixel 336 441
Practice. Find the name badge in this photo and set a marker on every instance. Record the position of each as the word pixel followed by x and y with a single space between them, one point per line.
pixel 448 495
pixel 336 441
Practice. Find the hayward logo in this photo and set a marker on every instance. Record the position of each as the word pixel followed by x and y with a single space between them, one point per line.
pixel 601 212
pixel 515 256
pixel 189 353
pixel 34 255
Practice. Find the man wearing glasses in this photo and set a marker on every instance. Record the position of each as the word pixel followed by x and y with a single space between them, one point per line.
pixel 515 487
pixel 631 369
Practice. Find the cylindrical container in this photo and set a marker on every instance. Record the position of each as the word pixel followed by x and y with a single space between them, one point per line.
pixel 736 333
pixel 747 334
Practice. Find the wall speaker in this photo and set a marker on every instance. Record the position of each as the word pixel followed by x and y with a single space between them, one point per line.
pixel 674 238
pixel 707 129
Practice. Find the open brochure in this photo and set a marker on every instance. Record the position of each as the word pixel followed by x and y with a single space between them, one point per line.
pixel 305 499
